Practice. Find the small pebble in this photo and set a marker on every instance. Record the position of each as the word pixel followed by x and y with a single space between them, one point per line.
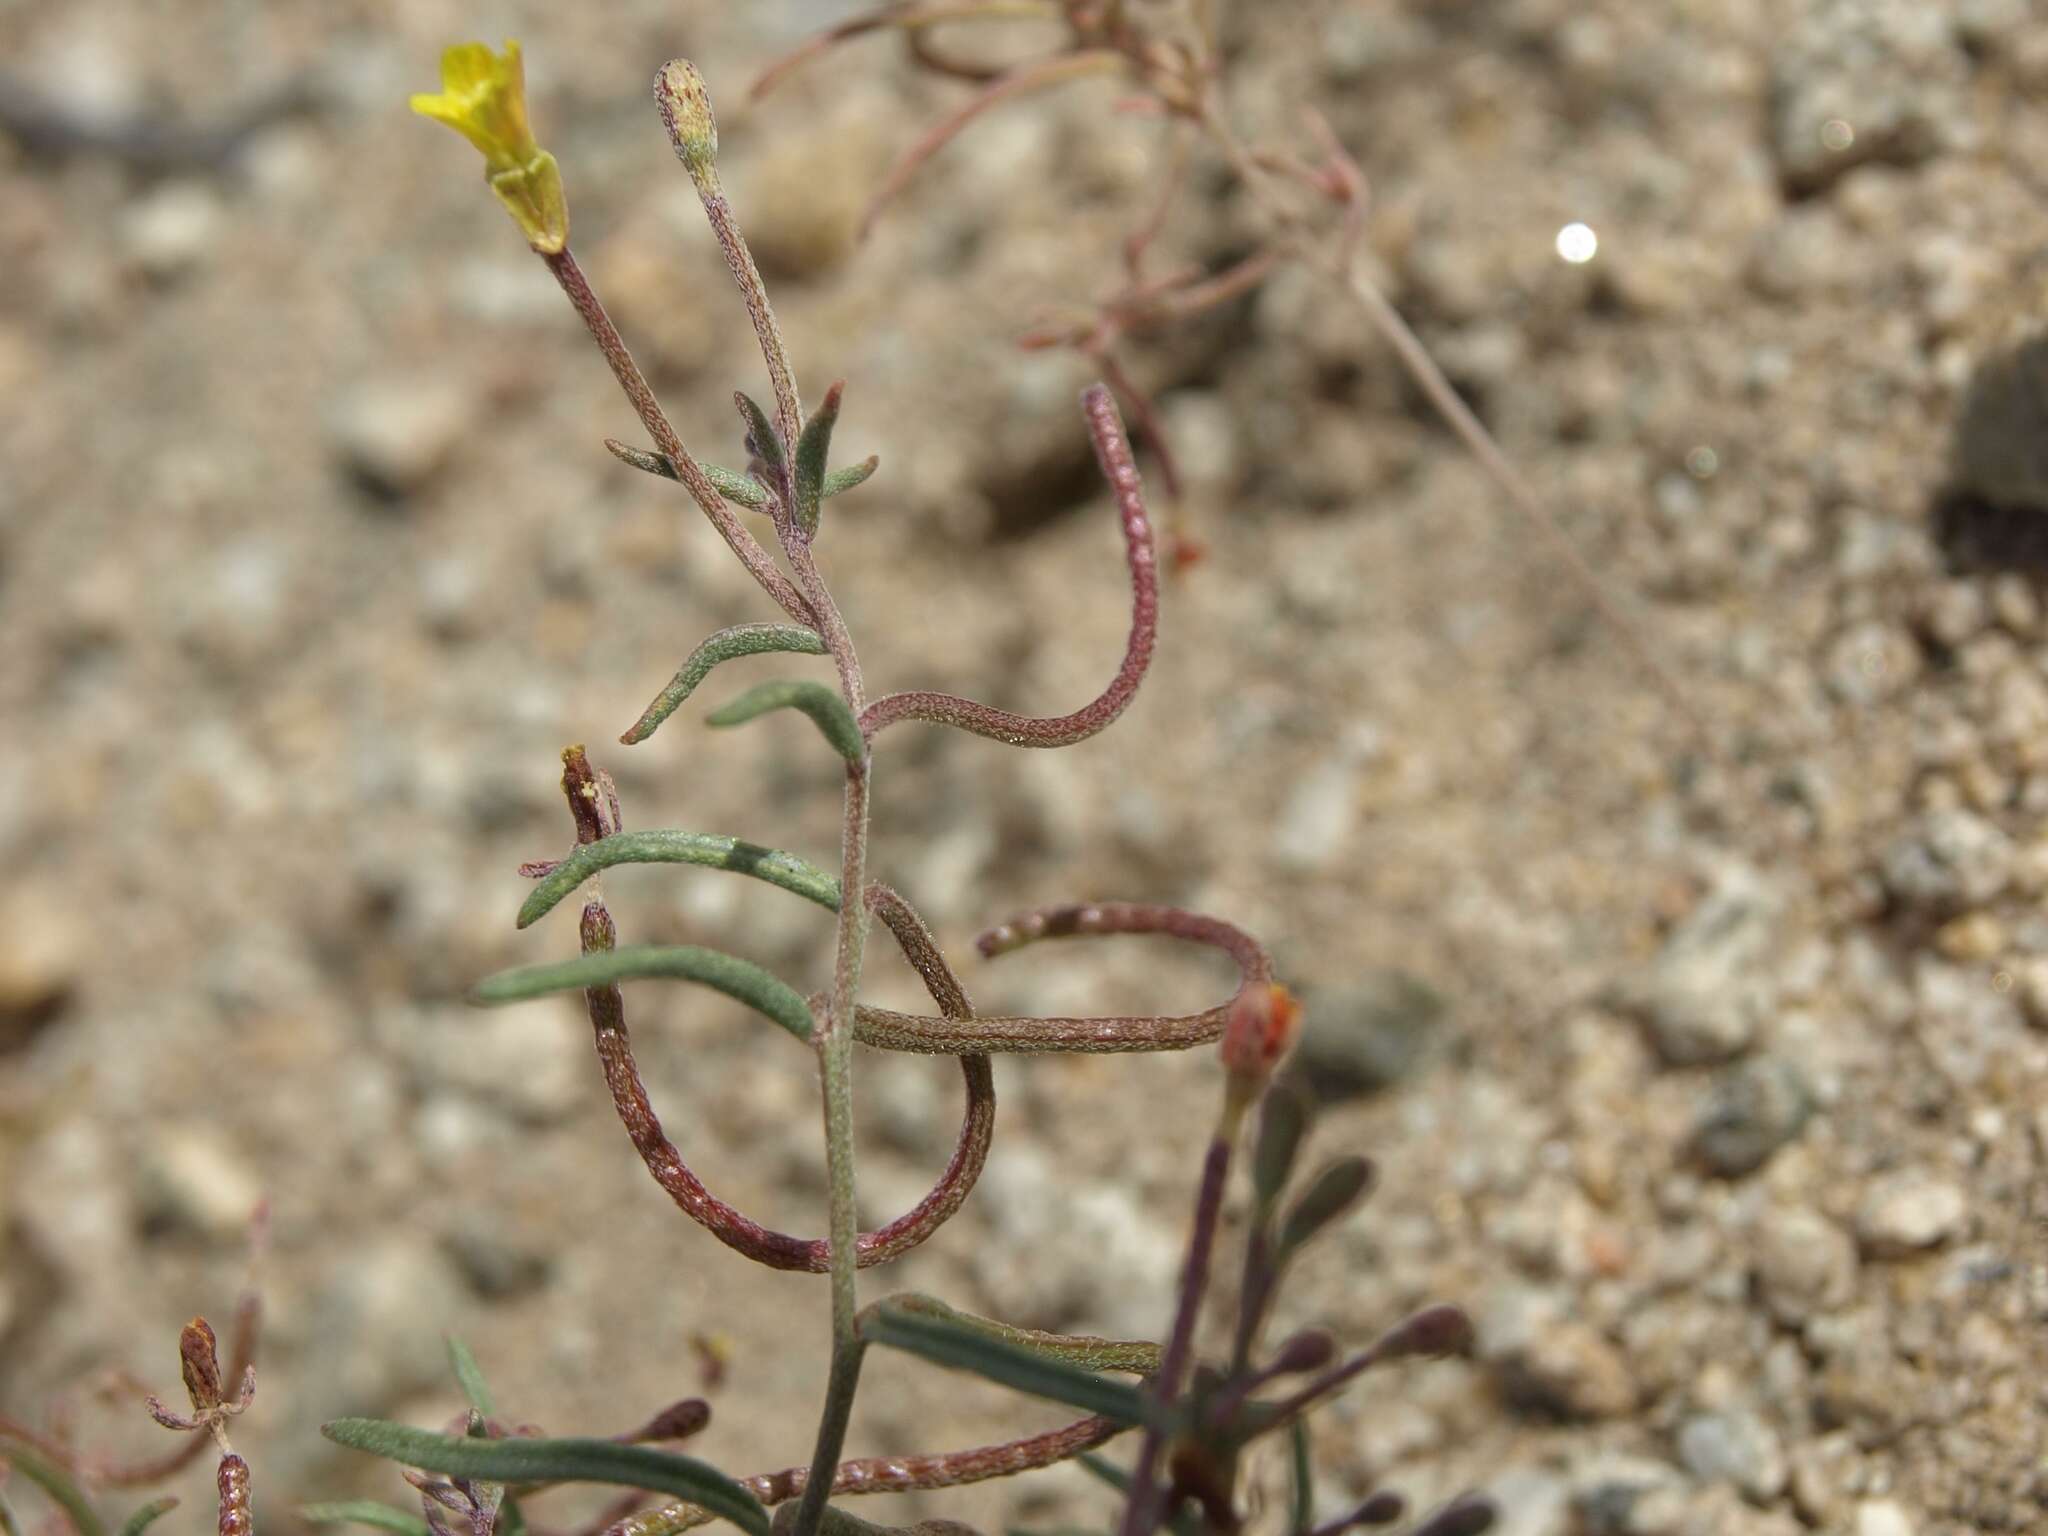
pixel 1751 1110
pixel 395 435
pixel 1909 1210
pixel 1737 1448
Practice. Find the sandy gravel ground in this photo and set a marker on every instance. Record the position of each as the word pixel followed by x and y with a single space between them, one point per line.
pixel 1710 1072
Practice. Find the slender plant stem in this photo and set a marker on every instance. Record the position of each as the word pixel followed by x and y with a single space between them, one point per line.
pixel 759 563
pixel 1141 1513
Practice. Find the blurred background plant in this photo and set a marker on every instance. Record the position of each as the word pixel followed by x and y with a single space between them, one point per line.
pixel 1310 202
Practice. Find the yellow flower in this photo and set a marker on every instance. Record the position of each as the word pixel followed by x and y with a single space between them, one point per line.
pixel 483 98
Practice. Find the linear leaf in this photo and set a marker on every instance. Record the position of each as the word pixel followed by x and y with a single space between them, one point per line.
pixel 740 640
pixel 1301 1488
pixel 1329 1195
pixel 470 1375
pixel 147 1516
pixel 812 451
pixel 556 1461
pixel 380 1517
pixel 668 846
pixel 744 489
pixel 640 459
pixel 1283 1122
pixel 55 1482
pixel 1139 1357
pixel 947 1341
pixel 768 995
pixel 825 707
pixel 762 438
pixel 842 480
pixel 10 1523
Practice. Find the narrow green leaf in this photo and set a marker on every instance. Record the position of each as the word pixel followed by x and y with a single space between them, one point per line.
pixel 668 846
pixel 1138 1357
pixel 768 995
pixel 1283 1122
pixel 840 480
pixel 1332 1192
pixel 949 1342
pixel 813 449
pixel 146 1516
pixel 556 1461
pixel 744 489
pixel 762 437
pixel 640 459
pixel 381 1517
pixel 470 1375
pixel 10 1523
pixel 826 709
pixel 55 1482
pixel 740 640
pixel 1301 1497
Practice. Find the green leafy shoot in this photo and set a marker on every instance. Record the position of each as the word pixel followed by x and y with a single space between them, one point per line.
pixel 825 707
pixel 556 1461
pixel 470 1376
pixel 947 1341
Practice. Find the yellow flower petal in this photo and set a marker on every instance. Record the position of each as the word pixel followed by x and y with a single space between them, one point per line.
pixel 483 98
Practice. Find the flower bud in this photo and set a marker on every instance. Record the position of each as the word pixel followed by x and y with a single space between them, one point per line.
pixel 686 110
pixel 1260 1030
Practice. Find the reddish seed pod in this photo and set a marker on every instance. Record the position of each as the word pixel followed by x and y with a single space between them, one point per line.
pixel 233 1481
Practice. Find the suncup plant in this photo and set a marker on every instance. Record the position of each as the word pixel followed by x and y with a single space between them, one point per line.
pixel 1192 1418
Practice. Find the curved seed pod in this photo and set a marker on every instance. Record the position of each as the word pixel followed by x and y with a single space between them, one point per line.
pixel 629 1095
pixel 739 640
pixel 888 1030
pixel 895 1474
pixel 669 846
pixel 736 1230
pixel 232 1480
pixel 768 995
pixel 826 708
pixel 1113 453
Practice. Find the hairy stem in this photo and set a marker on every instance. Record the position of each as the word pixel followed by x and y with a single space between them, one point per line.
pixel 759 563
